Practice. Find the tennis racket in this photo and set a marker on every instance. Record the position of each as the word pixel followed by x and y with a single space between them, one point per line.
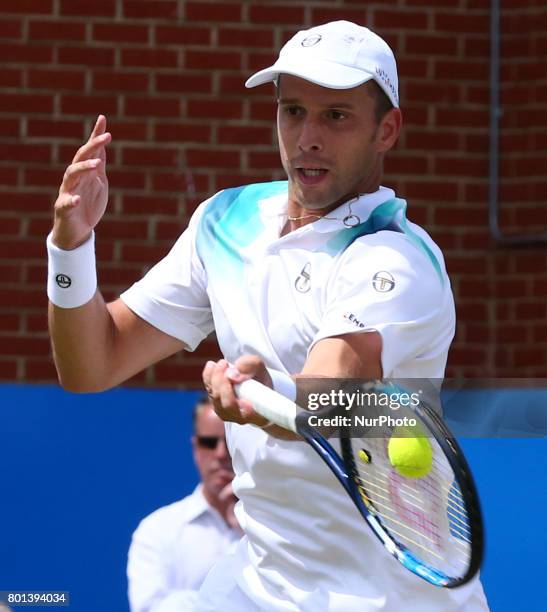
pixel 432 525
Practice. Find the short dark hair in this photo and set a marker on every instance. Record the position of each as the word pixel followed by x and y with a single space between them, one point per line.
pixel 382 104
pixel 203 400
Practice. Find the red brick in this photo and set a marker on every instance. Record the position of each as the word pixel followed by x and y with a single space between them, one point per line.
pixel 461 70
pixel 151 58
pixel 189 82
pixel 209 12
pixel 97 8
pixel 185 182
pixel 9 175
pixel 430 45
pixel 477 47
pixel 8 369
pixel 225 181
pixel 149 205
pixel 212 60
pixel 458 166
pixel 432 141
pixel 275 14
pixel 182 35
pixel 412 67
pixel 244 135
pixel 531 310
pixel 86 56
pixel 234 84
pixel 407 20
pixel 168 230
pixel 52 128
pixel 126 179
pixel 43 177
pixel 10 127
pixel 436 191
pixel 150 9
pixel 9 226
pixel 117 81
pixel 17 248
pixel 57 80
pixel 257 61
pixel 530 356
pixel 120 32
pixel 24 53
pixel 56 30
pixel 38 227
pixel 40 370
pixel 324 15
pixel 10 322
pixel 123 228
pixel 11 77
pixel 24 201
pixel 182 132
pixel 406 164
pixel 264 159
pixel 462 264
pixel 25 152
pixel 265 111
pixel 462 22
pixel 146 107
pixel 463 216
pixel 78 105
pixel 212 158
pixel 128 130
pixel 240 37
pixel 140 156
pixel 10 29
pixel 27 6
pixel 145 253
pixel 428 3
pixel 431 92
pixel 454 117
pixel 215 109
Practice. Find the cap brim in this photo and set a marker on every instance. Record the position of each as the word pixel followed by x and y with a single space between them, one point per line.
pixel 323 73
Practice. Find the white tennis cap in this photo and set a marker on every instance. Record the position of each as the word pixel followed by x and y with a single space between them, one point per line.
pixel 337 55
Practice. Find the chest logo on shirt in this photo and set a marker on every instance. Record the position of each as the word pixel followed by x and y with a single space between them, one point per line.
pixel 383 282
pixel 303 280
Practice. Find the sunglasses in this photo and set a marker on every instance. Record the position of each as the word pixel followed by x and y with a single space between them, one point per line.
pixel 210 442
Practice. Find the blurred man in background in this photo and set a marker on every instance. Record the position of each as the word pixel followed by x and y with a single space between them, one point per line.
pixel 173 548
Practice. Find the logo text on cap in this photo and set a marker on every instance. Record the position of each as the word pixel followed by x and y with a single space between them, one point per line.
pixel 309 41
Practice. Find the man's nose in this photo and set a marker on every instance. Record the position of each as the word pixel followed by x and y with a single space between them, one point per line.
pixel 310 137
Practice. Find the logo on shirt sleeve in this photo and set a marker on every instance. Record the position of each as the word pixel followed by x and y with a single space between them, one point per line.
pixel 383 282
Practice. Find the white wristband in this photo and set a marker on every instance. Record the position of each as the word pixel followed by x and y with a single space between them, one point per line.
pixel 283 383
pixel 72 277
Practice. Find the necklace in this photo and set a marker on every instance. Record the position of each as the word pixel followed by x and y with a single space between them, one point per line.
pixel 350 220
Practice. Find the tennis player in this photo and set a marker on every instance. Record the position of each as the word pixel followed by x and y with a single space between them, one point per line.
pixel 320 275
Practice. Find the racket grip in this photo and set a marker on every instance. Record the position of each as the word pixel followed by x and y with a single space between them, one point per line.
pixel 268 403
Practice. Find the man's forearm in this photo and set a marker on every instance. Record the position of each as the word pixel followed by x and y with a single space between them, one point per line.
pixel 82 340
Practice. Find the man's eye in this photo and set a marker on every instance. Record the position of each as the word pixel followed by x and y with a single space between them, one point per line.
pixel 293 110
pixel 337 115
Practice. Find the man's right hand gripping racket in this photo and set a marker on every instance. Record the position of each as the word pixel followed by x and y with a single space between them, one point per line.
pixel 431 523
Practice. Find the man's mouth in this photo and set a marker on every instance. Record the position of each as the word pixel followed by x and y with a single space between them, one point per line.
pixel 311 176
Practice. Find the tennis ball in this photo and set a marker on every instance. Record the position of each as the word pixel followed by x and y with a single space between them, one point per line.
pixel 411 454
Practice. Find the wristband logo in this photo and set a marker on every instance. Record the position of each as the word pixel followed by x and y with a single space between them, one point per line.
pixel 63 281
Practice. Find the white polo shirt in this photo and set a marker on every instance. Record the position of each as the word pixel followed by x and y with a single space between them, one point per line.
pixel 171 552
pixel 305 546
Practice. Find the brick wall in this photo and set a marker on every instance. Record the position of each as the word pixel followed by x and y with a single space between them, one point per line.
pixel 169 76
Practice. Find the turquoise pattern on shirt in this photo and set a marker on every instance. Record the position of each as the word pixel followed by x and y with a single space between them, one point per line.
pixel 231 222
pixel 389 216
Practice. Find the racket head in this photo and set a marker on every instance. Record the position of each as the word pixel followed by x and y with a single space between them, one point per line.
pixel 433 524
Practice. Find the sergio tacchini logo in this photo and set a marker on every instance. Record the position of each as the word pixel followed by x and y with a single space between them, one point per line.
pixel 383 282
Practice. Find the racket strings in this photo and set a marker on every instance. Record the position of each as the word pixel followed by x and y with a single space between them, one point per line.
pixel 427 515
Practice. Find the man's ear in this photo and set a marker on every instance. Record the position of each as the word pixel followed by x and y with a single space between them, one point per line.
pixel 389 129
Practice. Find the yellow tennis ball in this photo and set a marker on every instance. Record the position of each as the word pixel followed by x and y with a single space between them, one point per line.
pixel 410 455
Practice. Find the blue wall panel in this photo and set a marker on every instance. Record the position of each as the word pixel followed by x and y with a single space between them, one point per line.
pixel 78 472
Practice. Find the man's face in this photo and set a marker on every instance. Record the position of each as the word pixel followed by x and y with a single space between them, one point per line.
pixel 330 144
pixel 213 461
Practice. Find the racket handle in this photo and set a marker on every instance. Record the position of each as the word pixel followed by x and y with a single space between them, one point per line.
pixel 268 403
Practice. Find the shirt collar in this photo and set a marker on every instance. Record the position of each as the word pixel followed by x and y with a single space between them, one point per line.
pixel 197 504
pixel 273 210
